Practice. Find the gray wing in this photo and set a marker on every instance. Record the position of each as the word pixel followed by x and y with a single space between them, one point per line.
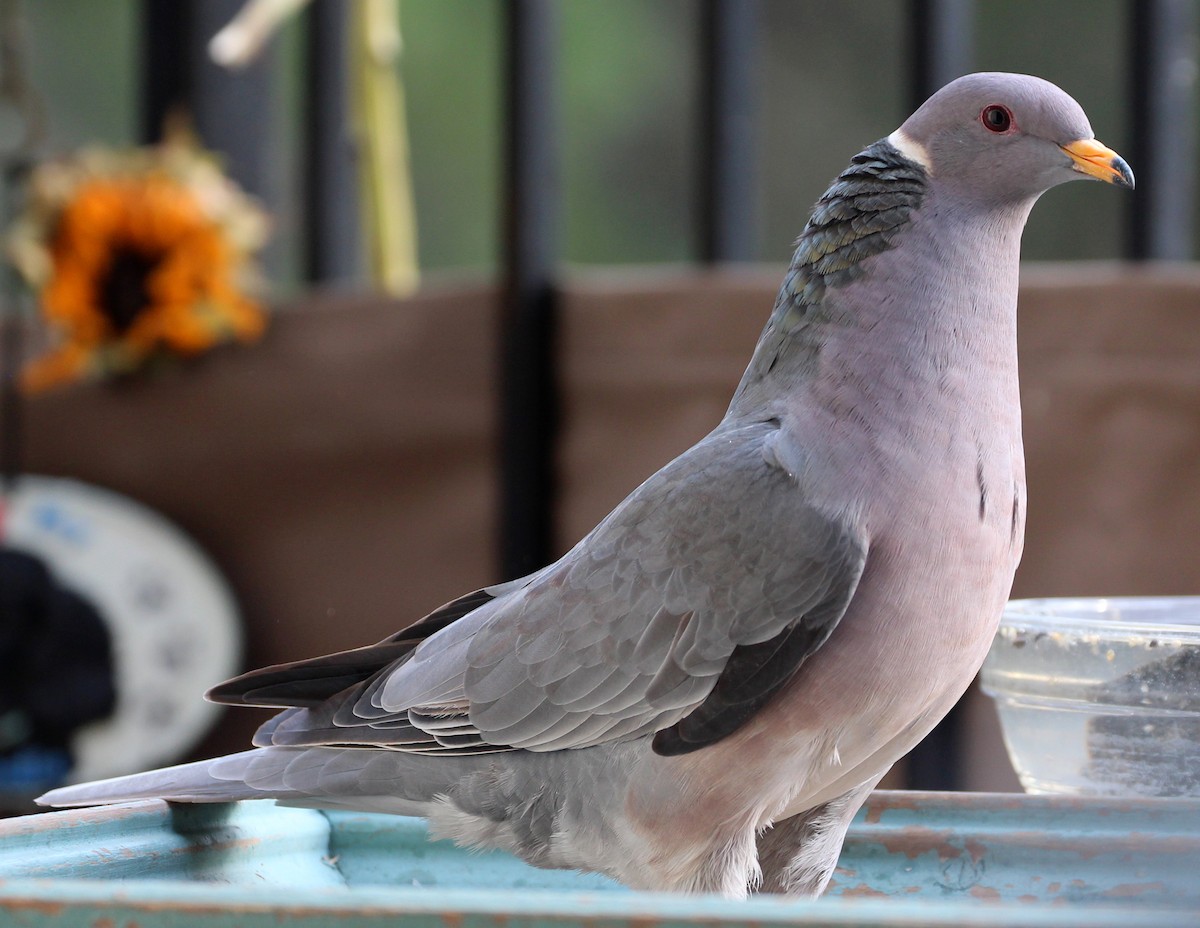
pixel 680 615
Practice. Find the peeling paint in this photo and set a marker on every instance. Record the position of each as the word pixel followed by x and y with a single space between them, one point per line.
pixel 235 844
pixel 916 840
pixel 862 890
pixel 49 907
pixel 1126 890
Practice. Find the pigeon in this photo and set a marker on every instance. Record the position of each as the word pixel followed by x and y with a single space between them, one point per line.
pixel 699 695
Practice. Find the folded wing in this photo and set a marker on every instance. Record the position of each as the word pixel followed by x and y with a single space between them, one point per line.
pixel 679 616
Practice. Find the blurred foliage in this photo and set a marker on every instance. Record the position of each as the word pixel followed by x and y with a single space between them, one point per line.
pixel 833 78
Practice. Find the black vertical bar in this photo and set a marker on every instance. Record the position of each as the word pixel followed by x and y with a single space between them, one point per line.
pixel 528 408
pixel 1163 122
pixel 941 49
pixel 728 129
pixel 333 248
pixel 164 81
pixel 941 44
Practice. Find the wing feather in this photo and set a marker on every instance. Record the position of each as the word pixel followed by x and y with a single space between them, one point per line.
pixel 680 615
pixel 310 682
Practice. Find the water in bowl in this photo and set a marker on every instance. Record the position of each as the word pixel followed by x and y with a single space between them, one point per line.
pixel 1101 697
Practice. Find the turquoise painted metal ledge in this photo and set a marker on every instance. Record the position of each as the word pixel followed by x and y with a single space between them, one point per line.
pixel 911 859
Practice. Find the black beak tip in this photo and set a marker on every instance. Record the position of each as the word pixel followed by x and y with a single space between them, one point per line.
pixel 1124 172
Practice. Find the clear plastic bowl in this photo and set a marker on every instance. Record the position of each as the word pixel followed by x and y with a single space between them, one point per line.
pixel 1100 697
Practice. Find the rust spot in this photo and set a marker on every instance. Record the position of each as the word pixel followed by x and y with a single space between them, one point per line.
pixel 1054 887
pixel 977 849
pixel 239 843
pixel 862 890
pixel 986 893
pixel 42 906
pixel 888 800
pixel 1028 898
pixel 916 840
pixel 1126 890
pixel 452 919
pixel 104 922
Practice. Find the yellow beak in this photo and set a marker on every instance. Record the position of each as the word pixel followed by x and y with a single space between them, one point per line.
pixel 1099 161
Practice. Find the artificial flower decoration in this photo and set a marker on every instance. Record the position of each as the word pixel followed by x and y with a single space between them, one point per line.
pixel 135 255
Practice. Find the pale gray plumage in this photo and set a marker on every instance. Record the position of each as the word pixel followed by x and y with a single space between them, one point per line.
pixel 715 677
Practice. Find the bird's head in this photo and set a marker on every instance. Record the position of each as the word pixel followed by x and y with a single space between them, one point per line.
pixel 1006 137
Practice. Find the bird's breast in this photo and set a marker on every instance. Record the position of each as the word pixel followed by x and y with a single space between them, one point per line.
pixel 932 464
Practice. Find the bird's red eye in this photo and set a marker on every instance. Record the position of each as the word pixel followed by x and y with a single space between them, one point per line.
pixel 996 118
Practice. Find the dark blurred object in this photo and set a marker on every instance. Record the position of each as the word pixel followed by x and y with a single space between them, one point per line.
pixel 56 673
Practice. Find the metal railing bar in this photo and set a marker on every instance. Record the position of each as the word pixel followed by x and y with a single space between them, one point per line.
pixel 165 25
pixel 332 243
pixel 528 414
pixel 941 46
pixel 1162 110
pixel 728 173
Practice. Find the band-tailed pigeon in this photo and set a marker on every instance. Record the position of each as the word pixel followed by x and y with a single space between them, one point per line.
pixel 700 693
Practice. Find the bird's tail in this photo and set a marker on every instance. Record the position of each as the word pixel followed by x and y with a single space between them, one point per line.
pixel 204 781
pixel 308 776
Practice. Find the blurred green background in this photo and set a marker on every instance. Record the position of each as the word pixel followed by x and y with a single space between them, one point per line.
pixel 833 78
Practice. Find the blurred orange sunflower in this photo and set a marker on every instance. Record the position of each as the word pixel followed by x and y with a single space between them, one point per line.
pixel 135 255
